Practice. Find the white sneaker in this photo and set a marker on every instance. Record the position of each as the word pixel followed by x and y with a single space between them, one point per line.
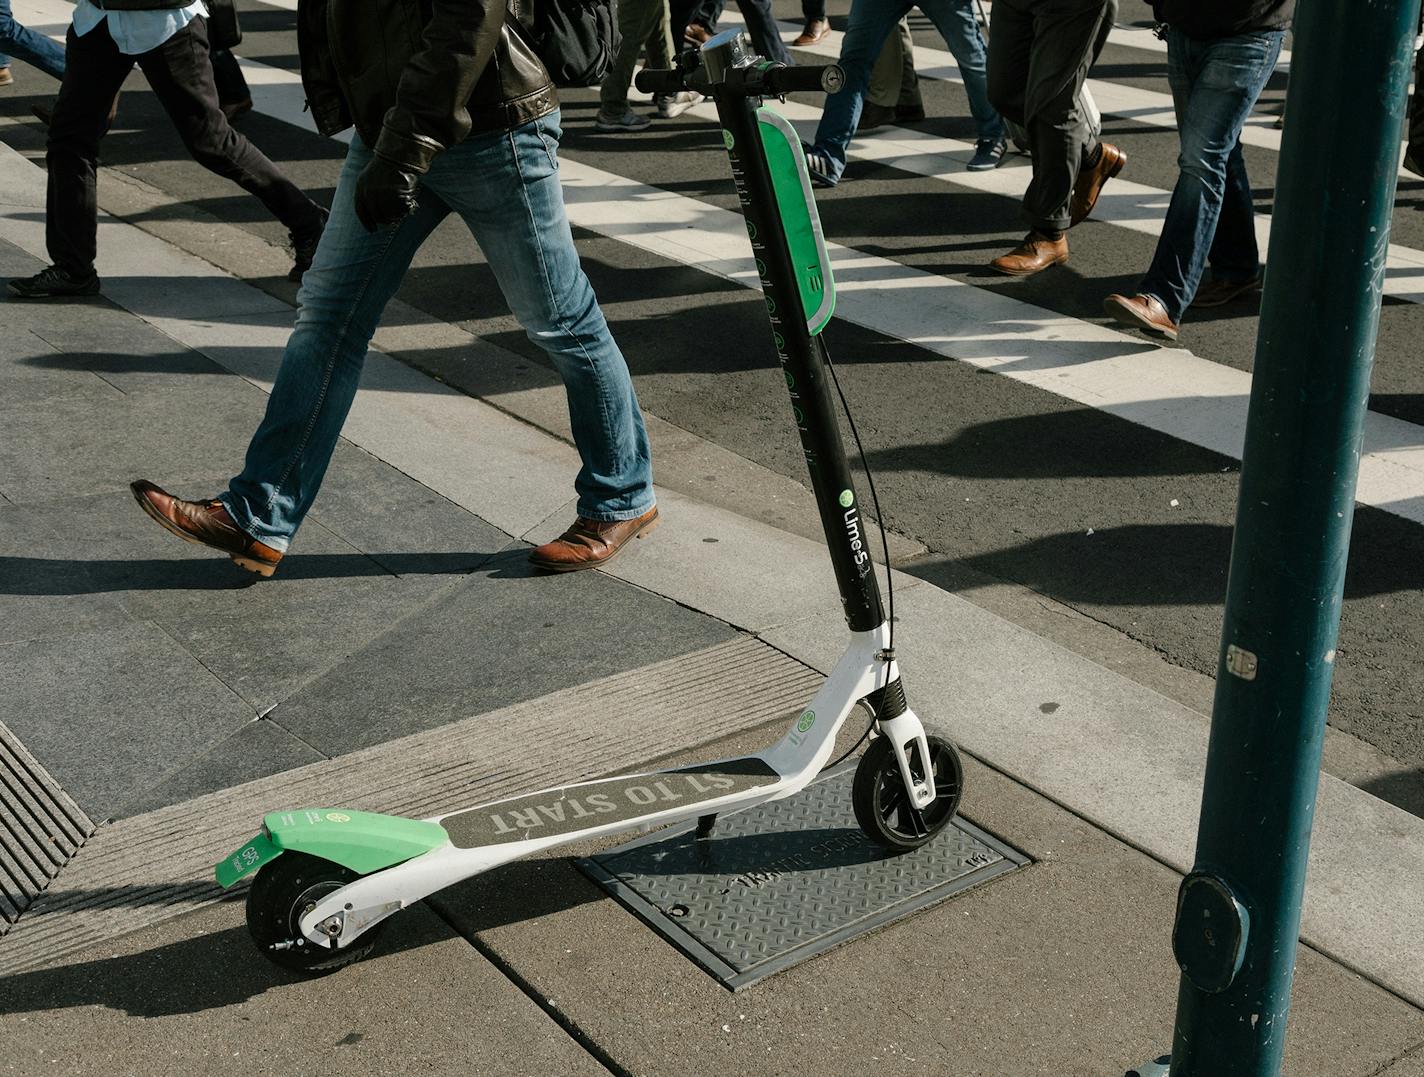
pixel 675 104
pixel 629 121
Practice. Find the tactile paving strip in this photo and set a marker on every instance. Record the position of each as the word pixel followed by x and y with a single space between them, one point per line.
pixel 41 829
pixel 782 882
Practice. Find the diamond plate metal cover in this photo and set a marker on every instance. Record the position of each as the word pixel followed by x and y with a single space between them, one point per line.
pixel 782 882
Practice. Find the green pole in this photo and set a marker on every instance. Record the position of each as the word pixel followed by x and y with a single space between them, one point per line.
pixel 1238 913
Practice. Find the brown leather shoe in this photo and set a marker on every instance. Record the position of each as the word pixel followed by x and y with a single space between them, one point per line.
pixel 697 34
pixel 814 31
pixel 1036 253
pixel 1141 312
pixel 591 543
pixel 1217 293
pixel 207 524
pixel 1090 181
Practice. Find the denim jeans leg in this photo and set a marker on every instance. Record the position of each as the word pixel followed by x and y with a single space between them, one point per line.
pixel 343 294
pixel 506 187
pixel 955 21
pixel 870 24
pixel 25 44
pixel 1234 255
pixel 1225 77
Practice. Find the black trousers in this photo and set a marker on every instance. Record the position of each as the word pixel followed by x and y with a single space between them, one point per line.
pixel 1039 55
pixel 1416 111
pixel 761 26
pixel 181 75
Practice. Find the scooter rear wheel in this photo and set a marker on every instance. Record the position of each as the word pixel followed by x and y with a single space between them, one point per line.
pixel 882 803
pixel 282 892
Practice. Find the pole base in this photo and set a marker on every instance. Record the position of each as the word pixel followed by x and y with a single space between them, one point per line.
pixel 1158 1067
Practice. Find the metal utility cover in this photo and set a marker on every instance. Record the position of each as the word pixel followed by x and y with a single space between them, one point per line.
pixel 785 881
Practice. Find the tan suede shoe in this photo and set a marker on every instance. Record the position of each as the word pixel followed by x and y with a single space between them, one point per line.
pixel 1090 181
pixel 1035 254
pixel 590 543
pixel 207 524
pixel 1141 312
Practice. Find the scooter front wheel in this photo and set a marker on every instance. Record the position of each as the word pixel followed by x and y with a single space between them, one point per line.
pixel 882 803
pixel 281 894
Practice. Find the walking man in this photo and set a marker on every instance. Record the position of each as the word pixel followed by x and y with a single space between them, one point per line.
pixel 1219 55
pixel 871 23
pixel 1039 55
pixel 168 39
pixel 420 152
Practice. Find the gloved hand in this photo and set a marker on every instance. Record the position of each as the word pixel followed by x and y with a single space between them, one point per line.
pixel 385 194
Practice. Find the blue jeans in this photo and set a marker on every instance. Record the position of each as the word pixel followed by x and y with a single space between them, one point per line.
pixel 1211 217
pixel 871 22
pixel 24 44
pixel 505 184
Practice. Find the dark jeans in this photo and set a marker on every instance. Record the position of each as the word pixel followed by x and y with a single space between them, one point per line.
pixel 761 25
pixel 181 75
pixel 1039 55
pixel 1211 217
pixel 1416 112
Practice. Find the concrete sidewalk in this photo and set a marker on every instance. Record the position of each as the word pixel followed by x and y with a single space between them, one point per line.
pixel 403 655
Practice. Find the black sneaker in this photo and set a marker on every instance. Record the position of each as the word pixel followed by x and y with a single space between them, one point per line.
pixel 51 282
pixel 304 247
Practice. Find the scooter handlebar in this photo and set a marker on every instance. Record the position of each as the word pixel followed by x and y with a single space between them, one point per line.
pixel 773 80
pixel 826 77
pixel 659 80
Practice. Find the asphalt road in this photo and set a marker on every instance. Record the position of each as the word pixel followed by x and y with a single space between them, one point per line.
pixel 1130 526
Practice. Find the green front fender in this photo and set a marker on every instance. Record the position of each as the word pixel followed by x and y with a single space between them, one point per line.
pixel 359 840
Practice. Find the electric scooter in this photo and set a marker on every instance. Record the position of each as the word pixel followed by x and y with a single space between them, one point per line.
pixel 327 879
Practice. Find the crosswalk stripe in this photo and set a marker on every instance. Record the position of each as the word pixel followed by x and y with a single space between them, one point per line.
pixel 1175 392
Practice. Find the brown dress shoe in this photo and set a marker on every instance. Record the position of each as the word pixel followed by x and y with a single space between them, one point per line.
pixel 697 34
pixel 1036 253
pixel 591 543
pixel 1090 181
pixel 1217 293
pixel 207 524
pixel 1143 312
pixel 814 31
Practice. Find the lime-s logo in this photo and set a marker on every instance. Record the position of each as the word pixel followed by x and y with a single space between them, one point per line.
pixel 847 499
pixel 728 140
pixel 337 817
pixel 808 719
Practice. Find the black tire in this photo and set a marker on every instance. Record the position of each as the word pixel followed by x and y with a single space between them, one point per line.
pixel 882 804
pixel 280 893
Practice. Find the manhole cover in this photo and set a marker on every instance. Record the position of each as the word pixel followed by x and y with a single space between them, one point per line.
pixel 785 881
pixel 41 829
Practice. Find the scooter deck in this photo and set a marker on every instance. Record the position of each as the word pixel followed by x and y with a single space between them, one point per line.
pixel 552 812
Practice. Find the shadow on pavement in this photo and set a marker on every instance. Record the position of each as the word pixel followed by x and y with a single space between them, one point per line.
pixel 205 972
pixel 34 576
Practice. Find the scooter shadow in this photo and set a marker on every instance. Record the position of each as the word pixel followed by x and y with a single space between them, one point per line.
pixel 196 974
pixel 739 855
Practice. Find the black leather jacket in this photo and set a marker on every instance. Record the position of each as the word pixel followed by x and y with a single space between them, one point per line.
pixel 418 76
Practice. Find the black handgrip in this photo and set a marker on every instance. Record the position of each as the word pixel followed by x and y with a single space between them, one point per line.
pixel 658 80
pixel 827 77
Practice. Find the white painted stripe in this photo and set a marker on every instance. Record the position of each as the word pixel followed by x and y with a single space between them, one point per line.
pixel 1168 390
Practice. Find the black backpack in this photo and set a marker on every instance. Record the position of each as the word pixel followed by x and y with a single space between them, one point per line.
pixel 575 39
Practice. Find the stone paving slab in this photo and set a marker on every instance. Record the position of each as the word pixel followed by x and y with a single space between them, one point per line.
pixel 503 634
pixel 41 595
pixel 190 999
pixel 87 708
pixel 263 639
pixel 258 749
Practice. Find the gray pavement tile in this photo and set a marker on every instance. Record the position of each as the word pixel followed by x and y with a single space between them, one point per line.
pixel 503 635
pixel 191 998
pixel 255 750
pixel 261 638
pixel 111 712
pixel 43 595
pixel 30 373
pixel 405 526
pixel 69 447
pixel 1063 968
